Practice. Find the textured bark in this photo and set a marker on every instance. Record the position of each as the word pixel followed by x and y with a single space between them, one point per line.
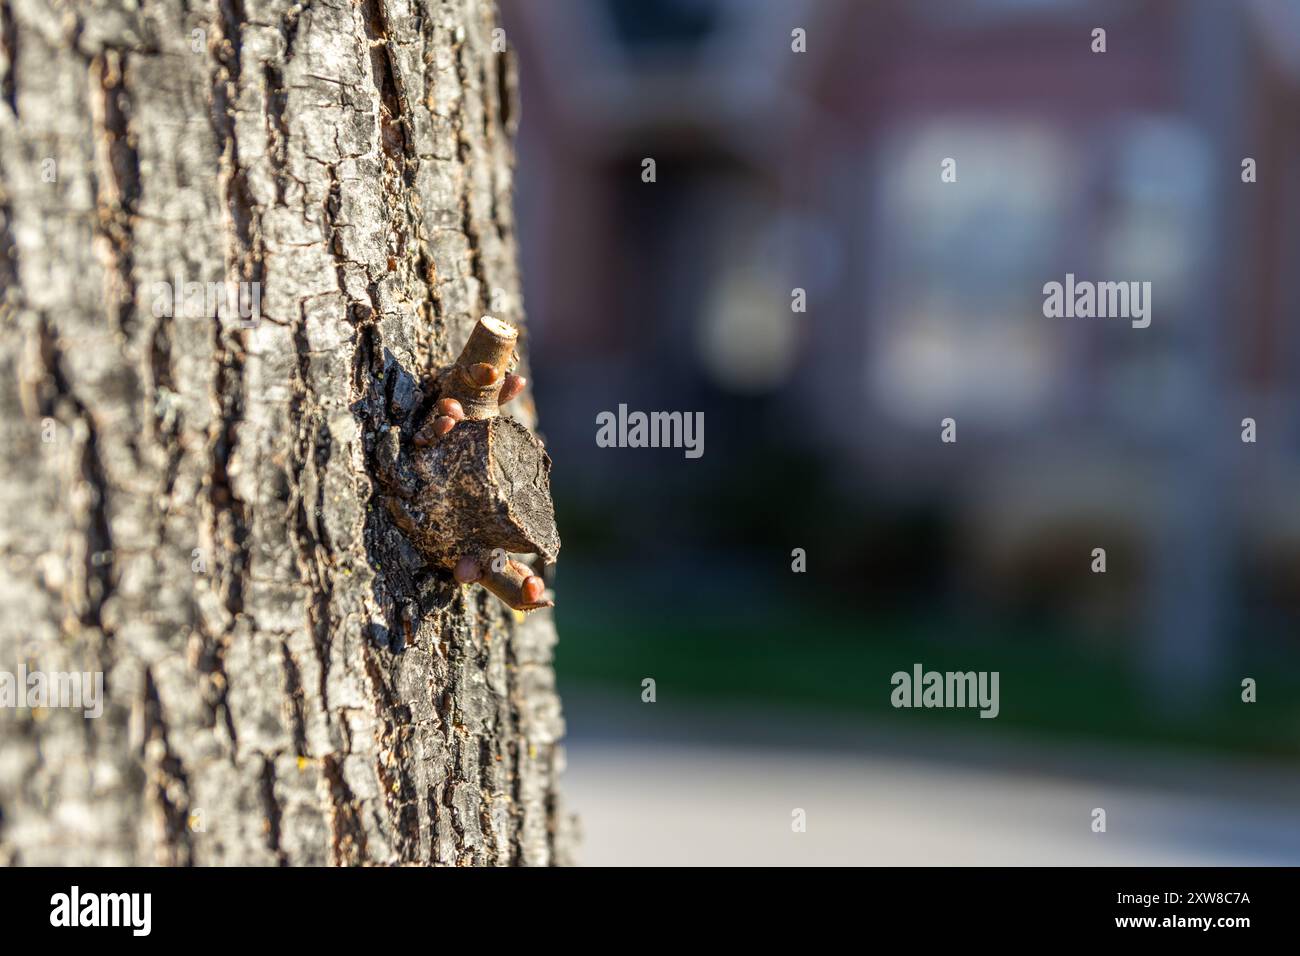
pixel 286 680
pixel 484 486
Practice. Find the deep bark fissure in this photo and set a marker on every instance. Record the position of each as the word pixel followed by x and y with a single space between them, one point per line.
pixel 245 220
pixel 348 836
pixel 307 532
pixel 229 526
pixel 119 196
pixel 277 128
pixel 505 90
pixel 392 117
pixel 9 287
pixel 168 783
pixel 9 46
pixel 61 404
pixel 398 789
pixel 465 150
pixel 293 692
pixel 273 810
pixel 228 514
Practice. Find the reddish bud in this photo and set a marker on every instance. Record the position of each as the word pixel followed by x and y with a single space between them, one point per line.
pixel 532 588
pixel 482 374
pixel 451 408
pixel 514 384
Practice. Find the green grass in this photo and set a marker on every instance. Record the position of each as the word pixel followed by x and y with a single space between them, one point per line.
pixel 840 663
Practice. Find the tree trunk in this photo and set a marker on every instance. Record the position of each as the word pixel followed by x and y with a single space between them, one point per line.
pixel 190 499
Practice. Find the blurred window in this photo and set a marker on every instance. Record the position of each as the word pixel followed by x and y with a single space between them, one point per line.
pixel 957 269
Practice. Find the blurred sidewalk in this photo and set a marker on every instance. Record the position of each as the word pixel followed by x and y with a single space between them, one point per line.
pixel 726 800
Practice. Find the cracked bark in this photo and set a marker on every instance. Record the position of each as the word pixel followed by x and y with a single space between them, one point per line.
pixel 286 682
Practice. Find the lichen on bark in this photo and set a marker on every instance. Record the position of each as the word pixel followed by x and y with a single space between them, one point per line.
pixel 287 681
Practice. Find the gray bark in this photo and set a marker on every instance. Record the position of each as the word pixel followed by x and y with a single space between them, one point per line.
pixel 286 682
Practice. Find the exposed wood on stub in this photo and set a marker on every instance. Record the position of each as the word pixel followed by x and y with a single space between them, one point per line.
pixel 189 497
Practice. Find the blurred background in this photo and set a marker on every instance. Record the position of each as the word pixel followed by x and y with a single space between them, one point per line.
pixel 820 171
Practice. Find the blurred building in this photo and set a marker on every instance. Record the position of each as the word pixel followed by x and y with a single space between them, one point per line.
pixel 820 171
